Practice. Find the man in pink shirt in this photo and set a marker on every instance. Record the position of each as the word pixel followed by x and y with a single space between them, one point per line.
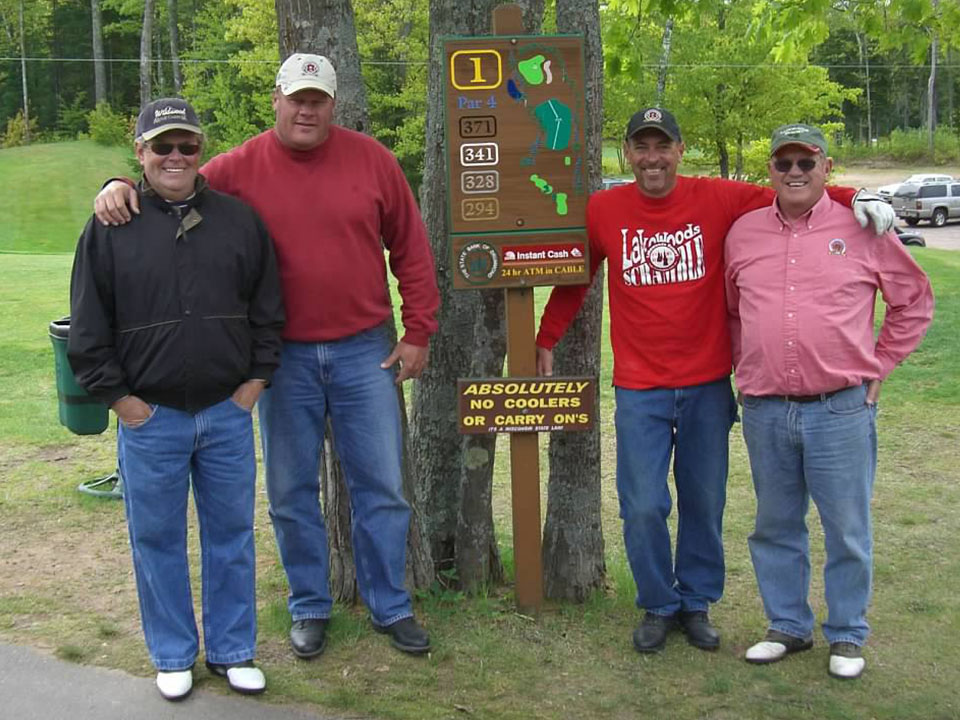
pixel 801 281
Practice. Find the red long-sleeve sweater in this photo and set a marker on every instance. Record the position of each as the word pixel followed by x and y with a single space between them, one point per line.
pixel 665 279
pixel 331 211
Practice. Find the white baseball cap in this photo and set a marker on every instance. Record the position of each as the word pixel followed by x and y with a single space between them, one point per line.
pixel 302 71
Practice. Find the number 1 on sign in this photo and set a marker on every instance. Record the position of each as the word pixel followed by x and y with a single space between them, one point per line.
pixel 477 73
pixel 476 69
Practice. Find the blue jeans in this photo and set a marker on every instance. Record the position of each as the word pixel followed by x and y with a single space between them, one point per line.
pixel 826 450
pixel 342 378
pixel 158 459
pixel 693 425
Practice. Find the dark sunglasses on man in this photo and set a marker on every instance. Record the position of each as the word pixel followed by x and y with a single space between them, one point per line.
pixel 784 165
pixel 165 148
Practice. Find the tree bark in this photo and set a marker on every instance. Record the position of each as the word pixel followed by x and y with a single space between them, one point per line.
pixel 477 554
pixel 174 46
pixel 932 85
pixel 436 445
pixel 664 64
pixel 476 550
pixel 23 76
pixel 99 72
pixel 865 61
pixel 738 161
pixel 146 41
pixel 161 88
pixel 951 75
pixel 573 535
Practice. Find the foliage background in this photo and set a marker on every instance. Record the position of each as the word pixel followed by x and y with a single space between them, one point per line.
pixel 736 69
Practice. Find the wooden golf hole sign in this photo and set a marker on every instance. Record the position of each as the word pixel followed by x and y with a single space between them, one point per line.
pixel 516 168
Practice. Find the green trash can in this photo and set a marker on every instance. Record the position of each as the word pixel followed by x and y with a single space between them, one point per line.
pixel 79 412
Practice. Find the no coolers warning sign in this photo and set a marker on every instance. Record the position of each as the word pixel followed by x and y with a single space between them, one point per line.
pixel 503 405
pixel 516 161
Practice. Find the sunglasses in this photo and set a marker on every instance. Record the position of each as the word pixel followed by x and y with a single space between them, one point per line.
pixel 783 165
pixel 186 149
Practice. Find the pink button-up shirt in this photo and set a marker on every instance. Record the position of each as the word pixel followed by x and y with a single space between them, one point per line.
pixel 801 296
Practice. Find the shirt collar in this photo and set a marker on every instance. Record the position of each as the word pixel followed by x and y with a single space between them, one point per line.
pixel 814 217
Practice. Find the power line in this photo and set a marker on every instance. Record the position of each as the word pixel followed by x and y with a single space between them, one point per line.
pixel 654 66
pixel 193 61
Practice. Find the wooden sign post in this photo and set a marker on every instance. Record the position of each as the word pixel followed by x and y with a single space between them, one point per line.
pixel 517 215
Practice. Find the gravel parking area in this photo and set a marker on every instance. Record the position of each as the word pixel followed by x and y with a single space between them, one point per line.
pixel 943 238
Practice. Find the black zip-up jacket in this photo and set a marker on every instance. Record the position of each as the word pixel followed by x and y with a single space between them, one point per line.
pixel 179 306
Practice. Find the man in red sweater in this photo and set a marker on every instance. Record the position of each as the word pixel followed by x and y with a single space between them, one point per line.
pixel 663 240
pixel 332 199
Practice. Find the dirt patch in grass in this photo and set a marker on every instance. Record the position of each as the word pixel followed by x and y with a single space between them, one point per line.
pixel 77 571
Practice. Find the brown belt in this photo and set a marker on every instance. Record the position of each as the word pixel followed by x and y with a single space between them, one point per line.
pixel 802 398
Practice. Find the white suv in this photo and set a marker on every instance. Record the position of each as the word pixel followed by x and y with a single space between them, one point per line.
pixel 936 202
pixel 886 192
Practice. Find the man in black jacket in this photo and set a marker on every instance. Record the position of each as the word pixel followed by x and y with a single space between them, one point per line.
pixel 175 324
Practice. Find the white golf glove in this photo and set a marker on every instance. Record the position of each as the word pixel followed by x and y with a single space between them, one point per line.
pixel 868 208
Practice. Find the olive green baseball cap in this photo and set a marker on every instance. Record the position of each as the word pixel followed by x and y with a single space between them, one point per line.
pixel 806 136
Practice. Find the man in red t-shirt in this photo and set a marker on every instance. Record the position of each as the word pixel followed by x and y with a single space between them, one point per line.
pixel 663 240
pixel 333 200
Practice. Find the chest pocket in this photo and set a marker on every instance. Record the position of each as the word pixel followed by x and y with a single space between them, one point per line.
pixel 840 273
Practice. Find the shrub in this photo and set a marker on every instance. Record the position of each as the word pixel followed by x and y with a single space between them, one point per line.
pixel 108 127
pixel 15 134
pixel 911 145
pixel 72 117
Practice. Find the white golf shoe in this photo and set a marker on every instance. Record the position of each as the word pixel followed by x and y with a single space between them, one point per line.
pixel 846 661
pixel 175 685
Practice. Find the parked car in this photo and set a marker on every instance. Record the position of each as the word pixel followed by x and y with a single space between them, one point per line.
pixel 886 192
pixel 909 237
pixel 936 202
pixel 609 182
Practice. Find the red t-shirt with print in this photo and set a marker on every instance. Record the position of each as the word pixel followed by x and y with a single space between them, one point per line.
pixel 664 256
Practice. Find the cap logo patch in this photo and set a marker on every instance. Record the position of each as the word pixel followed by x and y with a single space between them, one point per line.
pixel 837 247
pixel 793 130
pixel 310 68
pixel 653 115
pixel 165 112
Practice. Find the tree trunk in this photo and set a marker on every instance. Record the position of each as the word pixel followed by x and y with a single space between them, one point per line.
pixel 99 73
pixel 476 550
pixel 723 156
pixel 161 88
pixel 23 75
pixel 174 46
pixel 932 88
pixel 951 75
pixel 573 535
pixel 738 166
pixel 146 40
pixel 336 515
pixel 865 61
pixel 664 60
pixel 326 27
pixel 56 48
pixel 719 112
pixel 436 445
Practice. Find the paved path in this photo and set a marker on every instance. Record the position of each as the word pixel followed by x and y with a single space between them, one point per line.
pixel 34 686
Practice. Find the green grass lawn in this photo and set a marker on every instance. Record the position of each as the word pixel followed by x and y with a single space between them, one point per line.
pixel 48 192
pixel 66 584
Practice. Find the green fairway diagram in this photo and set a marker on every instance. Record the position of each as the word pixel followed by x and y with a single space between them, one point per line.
pixel 559 198
pixel 555 119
